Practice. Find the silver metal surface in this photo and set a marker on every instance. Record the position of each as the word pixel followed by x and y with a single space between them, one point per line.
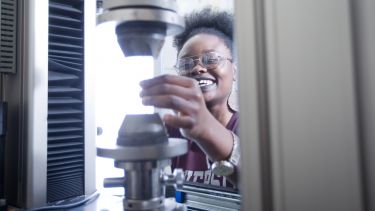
pixel 164 4
pixel 209 199
pixel 114 182
pixel 35 70
pixel 313 119
pixel 174 22
pixel 173 148
pixel 222 168
pixel 27 95
pixel 109 202
pixel 364 54
pixel 144 180
pixel 89 87
pixel 142 165
pixel 143 184
pixel 176 179
pixel 151 204
pixel 310 113
pixel 168 204
pixel 246 28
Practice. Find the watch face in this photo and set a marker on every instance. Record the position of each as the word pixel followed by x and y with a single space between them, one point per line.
pixel 222 168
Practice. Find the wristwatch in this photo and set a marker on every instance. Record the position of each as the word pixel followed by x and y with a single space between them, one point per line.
pixel 222 168
pixel 227 167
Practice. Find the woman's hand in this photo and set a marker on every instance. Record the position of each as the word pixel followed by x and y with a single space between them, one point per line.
pixel 183 95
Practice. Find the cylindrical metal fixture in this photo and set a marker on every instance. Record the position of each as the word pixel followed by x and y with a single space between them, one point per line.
pixel 143 150
pixel 142 25
pixel 142 180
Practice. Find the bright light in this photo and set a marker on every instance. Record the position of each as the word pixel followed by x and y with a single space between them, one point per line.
pixel 117 93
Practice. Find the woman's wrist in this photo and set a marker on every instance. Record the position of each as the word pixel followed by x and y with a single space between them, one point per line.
pixel 227 166
pixel 217 142
pixel 234 156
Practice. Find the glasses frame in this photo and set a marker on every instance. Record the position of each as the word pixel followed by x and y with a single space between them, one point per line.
pixel 197 59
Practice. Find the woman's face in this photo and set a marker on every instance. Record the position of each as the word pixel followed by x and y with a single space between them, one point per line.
pixel 216 83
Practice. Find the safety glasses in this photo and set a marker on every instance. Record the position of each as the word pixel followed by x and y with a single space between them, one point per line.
pixel 208 60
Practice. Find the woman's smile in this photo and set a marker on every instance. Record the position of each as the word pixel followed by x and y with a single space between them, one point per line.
pixel 206 84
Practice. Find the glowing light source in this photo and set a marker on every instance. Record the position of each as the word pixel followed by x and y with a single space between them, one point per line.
pixel 117 91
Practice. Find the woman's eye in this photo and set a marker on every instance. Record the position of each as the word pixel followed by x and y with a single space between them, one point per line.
pixel 185 64
pixel 210 60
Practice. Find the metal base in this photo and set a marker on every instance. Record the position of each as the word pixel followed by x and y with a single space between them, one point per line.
pixel 173 148
pixel 169 204
pixel 143 150
pixel 143 204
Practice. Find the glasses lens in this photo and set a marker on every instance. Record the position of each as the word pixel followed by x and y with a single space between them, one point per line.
pixel 185 64
pixel 210 60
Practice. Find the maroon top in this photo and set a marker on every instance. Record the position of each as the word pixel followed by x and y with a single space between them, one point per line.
pixel 196 164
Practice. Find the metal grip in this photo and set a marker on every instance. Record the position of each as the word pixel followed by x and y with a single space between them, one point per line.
pixel 114 182
pixel 176 179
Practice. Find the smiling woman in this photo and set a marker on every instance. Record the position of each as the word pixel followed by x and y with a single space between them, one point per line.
pixel 199 95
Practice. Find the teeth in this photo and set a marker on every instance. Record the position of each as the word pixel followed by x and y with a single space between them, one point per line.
pixel 205 82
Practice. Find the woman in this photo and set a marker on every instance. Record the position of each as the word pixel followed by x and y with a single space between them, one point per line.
pixel 199 94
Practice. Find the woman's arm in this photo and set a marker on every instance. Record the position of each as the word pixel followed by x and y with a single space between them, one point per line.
pixel 183 95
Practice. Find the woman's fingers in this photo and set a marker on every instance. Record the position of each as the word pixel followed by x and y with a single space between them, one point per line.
pixel 169 79
pixel 175 92
pixel 173 102
pixel 178 121
pixel 178 93
pixel 171 89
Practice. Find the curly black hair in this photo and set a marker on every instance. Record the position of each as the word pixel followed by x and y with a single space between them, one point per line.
pixel 207 21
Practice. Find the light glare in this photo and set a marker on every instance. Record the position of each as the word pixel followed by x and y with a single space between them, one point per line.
pixel 117 93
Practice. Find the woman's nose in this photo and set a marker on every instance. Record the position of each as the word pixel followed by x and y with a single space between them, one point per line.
pixel 198 68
